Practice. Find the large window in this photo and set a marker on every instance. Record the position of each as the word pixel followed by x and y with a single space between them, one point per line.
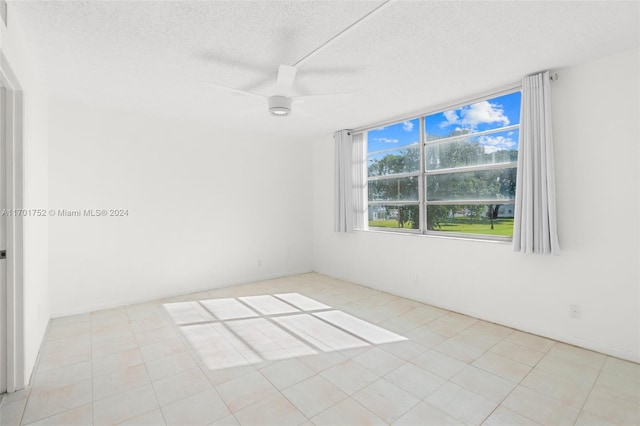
pixel 451 172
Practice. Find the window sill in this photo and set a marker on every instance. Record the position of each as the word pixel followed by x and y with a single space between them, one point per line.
pixel 442 235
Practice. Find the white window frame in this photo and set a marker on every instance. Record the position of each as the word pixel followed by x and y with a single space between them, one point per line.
pixel 423 174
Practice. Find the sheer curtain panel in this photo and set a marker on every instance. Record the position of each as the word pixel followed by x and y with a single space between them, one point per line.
pixel 535 225
pixel 343 203
pixel 359 181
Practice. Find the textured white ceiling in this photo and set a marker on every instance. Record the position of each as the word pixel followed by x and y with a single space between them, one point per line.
pixel 154 56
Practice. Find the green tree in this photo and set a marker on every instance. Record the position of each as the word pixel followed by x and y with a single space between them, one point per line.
pixel 397 189
pixel 437 215
pixel 491 184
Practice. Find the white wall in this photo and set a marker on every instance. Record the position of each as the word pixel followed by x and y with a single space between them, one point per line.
pixel 596 130
pixel 35 145
pixel 207 207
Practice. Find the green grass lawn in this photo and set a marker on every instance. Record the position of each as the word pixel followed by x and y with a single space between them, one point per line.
pixel 391 223
pixel 501 227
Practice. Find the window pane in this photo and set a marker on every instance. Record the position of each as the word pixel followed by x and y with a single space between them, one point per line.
pixel 394 136
pixel 493 219
pixel 485 115
pixel 398 189
pixel 404 217
pixel 480 185
pixel 394 162
pixel 494 148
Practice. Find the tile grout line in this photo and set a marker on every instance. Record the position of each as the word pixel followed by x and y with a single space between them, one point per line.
pixel 448 380
pixel 201 368
pixel 356 402
pixel 36 371
pixel 92 378
pixel 279 392
pixel 195 356
pixel 590 392
pixel 93 411
pixel 546 354
pixel 516 386
pixel 144 362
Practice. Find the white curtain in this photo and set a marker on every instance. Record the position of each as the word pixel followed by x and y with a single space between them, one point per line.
pixel 359 191
pixel 343 181
pixel 350 181
pixel 535 226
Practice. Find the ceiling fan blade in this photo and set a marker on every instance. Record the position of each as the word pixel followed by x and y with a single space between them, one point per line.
pixel 284 83
pixel 232 90
pixel 322 96
pixel 301 112
pixel 254 106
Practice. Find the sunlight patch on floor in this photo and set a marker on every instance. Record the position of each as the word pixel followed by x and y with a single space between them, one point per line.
pixel 231 332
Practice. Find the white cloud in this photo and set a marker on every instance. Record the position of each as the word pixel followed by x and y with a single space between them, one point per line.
pixel 386 140
pixel 452 118
pixel 493 144
pixel 407 126
pixel 475 114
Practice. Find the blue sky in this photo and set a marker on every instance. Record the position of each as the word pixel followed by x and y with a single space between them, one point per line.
pixel 394 136
pixel 490 114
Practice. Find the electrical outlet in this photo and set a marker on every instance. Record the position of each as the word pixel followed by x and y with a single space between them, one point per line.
pixel 575 311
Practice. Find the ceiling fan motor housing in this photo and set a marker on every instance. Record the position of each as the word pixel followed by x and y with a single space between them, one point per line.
pixel 279 105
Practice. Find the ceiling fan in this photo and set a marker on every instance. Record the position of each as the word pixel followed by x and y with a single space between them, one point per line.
pixel 281 102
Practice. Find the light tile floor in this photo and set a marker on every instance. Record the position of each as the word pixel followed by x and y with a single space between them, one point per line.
pixel 309 349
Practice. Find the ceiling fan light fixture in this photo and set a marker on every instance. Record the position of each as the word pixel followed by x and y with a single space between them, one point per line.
pixel 279 106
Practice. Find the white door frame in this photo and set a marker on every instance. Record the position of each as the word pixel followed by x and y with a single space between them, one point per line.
pixel 14 227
